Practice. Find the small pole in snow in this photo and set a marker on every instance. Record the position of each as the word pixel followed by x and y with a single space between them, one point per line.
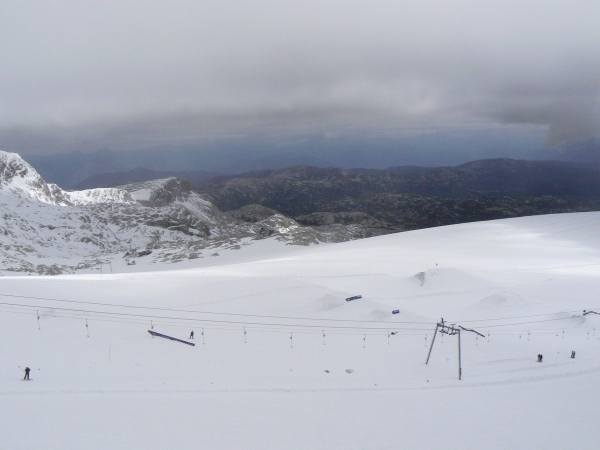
pixel 245 335
pixel 323 337
pixel 432 341
pixel 38 319
pixel 488 336
pixel 459 363
pixel 388 338
pixel 365 341
pixel 563 333
pixel 291 340
pixel 425 341
pixel 87 329
pixel 528 336
pixel 151 326
pixel 202 336
pixel 588 336
pixel 476 341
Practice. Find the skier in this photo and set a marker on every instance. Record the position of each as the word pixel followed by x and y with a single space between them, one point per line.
pixel 573 354
pixel 540 358
pixel 192 335
pixel 26 377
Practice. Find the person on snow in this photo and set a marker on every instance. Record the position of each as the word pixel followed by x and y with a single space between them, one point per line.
pixel 192 335
pixel 26 377
pixel 540 358
pixel 573 354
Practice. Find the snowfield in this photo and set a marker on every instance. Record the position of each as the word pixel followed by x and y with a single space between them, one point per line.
pixel 283 361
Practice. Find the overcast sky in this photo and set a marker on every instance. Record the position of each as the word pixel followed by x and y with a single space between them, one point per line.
pixel 132 74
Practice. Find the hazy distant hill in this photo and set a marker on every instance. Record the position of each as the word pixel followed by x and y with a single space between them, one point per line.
pixel 76 169
pixel 246 154
pixel 502 177
pixel 404 198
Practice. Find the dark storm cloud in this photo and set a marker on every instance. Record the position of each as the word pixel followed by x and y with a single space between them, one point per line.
pixel 85 75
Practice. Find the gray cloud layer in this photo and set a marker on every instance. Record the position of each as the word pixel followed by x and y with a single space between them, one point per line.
pixel 116 74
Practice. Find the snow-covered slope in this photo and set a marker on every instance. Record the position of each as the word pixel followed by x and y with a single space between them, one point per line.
pixel 100 195
pixel 46 230
pixel 283 361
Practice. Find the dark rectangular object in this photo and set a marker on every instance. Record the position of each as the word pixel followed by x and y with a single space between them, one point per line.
pixel 356 297
pixel 154 333
pixel 396 311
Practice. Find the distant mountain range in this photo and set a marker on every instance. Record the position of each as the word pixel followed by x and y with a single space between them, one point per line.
pixel 406 198
pixel 398 198
pixel 104 168
pixel 69 170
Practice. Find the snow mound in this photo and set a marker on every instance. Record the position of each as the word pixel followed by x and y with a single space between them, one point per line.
pixel 379 314
pixel 503 299
pixel 447 278
pixel 328 302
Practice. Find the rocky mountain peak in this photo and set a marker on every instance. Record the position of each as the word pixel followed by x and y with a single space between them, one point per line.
pixel 161 192
pixel 18 179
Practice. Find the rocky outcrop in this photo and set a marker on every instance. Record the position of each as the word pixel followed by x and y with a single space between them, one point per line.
pixel 251 213
pixel 19 180
pixel 48 231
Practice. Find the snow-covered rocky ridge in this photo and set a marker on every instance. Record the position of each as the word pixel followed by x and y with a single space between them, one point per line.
pixel 47 230
pixel 19 180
